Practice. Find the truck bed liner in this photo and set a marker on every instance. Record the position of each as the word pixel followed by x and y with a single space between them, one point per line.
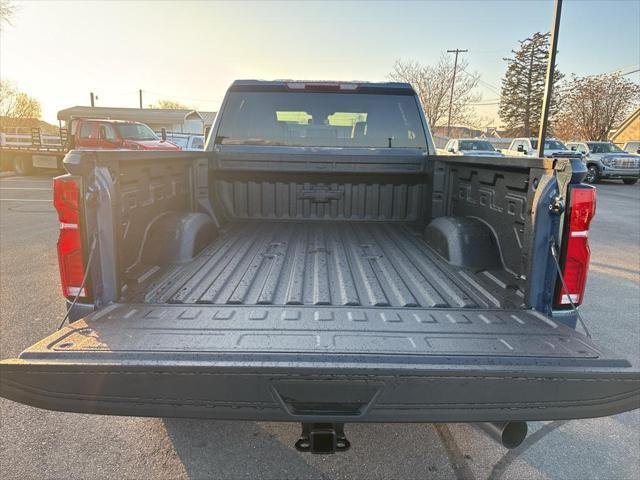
pixel 202 331
pixel 334 264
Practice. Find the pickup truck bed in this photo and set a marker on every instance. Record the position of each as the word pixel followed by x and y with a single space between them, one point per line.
pixel 337 264
pixel 316 318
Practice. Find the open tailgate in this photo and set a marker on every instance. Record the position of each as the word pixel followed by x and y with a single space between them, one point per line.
pixel 336 364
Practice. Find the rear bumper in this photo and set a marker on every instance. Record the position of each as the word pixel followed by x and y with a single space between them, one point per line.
pixel 327 365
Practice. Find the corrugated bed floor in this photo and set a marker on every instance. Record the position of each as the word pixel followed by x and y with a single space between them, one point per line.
pixel 368 264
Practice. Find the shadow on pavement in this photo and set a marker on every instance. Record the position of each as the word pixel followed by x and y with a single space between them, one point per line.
pixel 223 449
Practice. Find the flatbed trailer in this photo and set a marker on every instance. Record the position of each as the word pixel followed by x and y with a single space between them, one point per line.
pixel 23 153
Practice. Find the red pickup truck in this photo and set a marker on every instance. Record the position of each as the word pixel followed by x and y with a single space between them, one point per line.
pixel 24 153
pixel 110 134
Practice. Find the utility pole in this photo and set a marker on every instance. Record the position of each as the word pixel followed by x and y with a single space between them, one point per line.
pixel 140 95
pixel 93 102
pixel 548 86
pixel 453 82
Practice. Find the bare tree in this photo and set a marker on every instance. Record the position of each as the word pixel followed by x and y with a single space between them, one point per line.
pixel 432 83
pixel 594 105
pixel 170 104
pixel 17 104
pixel 7 10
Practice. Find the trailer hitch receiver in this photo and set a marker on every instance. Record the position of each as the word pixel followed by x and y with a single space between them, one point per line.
pixel 322 438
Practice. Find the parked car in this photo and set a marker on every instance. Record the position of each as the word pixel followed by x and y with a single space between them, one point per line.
pixel 324 266
pixel 607 160
pixel 632 147
pixel 186 141
pixel 528 147
pixel 468 146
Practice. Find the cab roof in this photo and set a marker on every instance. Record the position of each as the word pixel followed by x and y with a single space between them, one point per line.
pixel 389 88
pixel 105 120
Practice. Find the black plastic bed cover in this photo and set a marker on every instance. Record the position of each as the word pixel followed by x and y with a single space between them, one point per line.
pixel 311 363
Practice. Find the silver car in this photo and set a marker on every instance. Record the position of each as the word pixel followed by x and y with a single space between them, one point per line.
pixel 607 160
pixel 474 147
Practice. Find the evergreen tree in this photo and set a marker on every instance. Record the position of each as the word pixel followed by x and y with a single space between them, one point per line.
pixel 523 86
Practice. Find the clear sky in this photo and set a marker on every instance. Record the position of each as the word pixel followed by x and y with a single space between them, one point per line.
pixel 190 51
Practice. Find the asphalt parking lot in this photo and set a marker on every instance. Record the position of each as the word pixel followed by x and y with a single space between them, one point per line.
pixel 42 444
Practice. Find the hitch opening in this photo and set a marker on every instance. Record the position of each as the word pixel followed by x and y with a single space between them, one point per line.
pixel 322 438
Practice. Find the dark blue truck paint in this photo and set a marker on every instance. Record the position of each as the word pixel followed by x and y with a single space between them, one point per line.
pixel 306 289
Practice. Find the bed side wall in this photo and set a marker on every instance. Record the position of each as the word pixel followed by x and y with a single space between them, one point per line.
pixel 500 197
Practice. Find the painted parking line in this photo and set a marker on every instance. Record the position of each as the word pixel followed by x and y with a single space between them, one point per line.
pixel 26 183
pixel 20 186
pixel 25 179
pixel 24 200
pixel 25 188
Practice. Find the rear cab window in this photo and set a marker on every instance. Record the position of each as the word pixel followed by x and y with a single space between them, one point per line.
pixel 321 119
pixel 475 145
pixel 577 147
pixel 86 130
pixel 107 132
pixel 548 145
pixel 136 131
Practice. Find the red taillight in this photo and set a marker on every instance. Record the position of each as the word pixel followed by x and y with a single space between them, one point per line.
pixel 575 258
pixel 66 198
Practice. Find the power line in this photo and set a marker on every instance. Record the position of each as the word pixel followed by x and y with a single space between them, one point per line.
pixel 622 69
pixel 180 97
pixel 494 89
pixel 489 86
